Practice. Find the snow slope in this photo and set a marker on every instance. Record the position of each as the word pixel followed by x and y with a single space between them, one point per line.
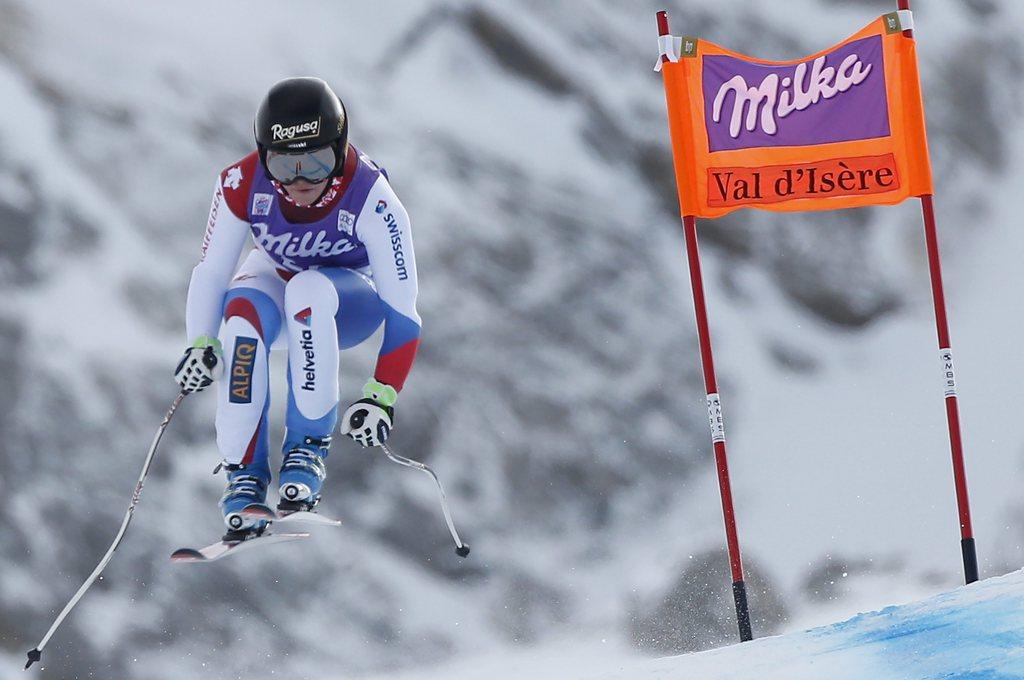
pixel 971 633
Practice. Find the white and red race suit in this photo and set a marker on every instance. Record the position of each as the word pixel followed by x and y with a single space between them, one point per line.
pixel 319 279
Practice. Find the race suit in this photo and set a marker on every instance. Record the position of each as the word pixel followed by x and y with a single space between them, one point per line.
pixel 319 279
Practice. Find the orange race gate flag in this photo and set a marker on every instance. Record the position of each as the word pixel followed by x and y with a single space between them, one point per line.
pixel 839 129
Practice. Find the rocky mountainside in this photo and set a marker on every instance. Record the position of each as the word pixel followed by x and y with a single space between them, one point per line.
pixel 557 391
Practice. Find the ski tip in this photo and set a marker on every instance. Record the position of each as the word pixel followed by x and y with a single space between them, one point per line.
pixel 187 555
pixel 33 656
pixel 462 550
pixel 258 511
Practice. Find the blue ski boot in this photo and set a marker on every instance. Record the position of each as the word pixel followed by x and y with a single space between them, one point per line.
pixel 302 473
pixel 244 488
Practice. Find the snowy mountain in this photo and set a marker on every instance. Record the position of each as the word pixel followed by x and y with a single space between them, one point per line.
pixel 557 390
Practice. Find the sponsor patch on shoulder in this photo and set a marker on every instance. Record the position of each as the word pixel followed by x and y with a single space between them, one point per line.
pixel 261 203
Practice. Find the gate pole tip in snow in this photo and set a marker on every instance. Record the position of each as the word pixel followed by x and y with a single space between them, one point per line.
pixel 967 547
pixel 739 595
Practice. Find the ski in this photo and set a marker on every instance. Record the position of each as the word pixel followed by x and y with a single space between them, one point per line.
pixel 258 511
pixel 265 512
pixel 216 551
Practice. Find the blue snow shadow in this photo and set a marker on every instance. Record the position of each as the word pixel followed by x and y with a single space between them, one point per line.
pixel 941 640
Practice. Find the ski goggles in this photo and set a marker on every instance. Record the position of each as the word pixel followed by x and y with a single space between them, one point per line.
pixel 313 166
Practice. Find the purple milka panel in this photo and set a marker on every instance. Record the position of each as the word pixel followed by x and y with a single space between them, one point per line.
pixel 838 97
pixel 327 242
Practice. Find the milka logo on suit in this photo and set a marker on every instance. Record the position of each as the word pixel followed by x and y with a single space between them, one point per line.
pixel 306 244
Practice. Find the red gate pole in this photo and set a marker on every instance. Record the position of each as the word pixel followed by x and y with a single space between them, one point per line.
pixel 739 588
pixel 967 547
pixel 715 418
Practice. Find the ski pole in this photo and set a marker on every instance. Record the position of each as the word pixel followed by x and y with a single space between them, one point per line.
pixel 461 549
pixel 35 654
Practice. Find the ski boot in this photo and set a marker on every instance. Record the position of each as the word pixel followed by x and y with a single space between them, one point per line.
pixel 244 488
pixel 302 473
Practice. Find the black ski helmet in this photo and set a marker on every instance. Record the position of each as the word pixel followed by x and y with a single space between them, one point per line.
pixel 300 114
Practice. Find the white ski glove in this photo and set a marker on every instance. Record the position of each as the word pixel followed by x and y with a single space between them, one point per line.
pixel 369 420
pixel 201 365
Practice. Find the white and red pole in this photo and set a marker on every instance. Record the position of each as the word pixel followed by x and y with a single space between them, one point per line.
pixel 967 547
pixel 739 588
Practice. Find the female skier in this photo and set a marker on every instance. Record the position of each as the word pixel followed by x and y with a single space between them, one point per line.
pixel 333 259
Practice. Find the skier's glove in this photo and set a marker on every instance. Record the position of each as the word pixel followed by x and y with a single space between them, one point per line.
pixel 369 420
pixel 201 365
